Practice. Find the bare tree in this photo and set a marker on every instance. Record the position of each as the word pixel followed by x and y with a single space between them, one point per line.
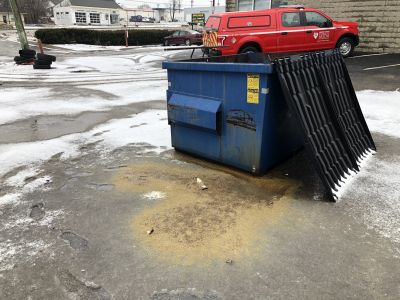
pixel 174 6
pixel 35 9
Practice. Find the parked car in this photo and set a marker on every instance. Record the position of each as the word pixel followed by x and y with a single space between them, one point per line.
pixel 283 29
pixel 137 18
pixel 184 37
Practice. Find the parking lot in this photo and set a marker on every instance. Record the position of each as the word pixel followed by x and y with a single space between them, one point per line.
pixel 95 203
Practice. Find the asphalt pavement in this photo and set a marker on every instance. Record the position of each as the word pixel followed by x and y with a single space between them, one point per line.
pixel 133 224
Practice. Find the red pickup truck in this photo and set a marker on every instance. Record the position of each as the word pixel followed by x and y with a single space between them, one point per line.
pixel 283 29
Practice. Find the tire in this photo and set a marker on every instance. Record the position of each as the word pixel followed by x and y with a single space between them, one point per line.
pixel 188 43
pixel 249 49
pixel 346 46
pixel 19 60
pixel 41 56
pixel 40 62
pixel 41 67
pixel 166 43
pixel 29 53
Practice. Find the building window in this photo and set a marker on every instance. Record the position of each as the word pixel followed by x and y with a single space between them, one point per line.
pixel 5 19
pixel 94 18
pixel 291 19
pixel 67 13
pixel 106 16
pixel 80 17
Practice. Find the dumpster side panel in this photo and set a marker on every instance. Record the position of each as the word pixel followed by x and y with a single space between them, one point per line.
pixel 281 135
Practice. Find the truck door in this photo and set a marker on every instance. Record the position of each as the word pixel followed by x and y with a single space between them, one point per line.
pixel 319 31
pixel 291 36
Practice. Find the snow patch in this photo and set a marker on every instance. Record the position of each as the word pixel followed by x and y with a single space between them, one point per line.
pixel 381 110
pixel 149 127
pixel 154 195
pixel 18 180
pixel 10 199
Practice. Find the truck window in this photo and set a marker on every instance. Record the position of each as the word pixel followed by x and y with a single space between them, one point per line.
pixel 316 19
pixel 249 21
pixel 213 22
pixel 291 19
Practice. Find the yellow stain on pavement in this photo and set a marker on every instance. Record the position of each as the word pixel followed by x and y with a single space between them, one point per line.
pixel 192 226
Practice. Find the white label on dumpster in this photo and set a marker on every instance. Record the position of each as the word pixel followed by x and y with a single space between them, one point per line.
pixel 253 88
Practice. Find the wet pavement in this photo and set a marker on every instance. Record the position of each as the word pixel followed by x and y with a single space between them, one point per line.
pixel 132 222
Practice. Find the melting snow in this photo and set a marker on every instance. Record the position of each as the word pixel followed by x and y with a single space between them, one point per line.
pixel 149 127
pixel 374 197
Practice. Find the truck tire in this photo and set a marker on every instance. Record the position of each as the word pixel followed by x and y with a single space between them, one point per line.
pixel 40 62
pixel 346 46
pixel 249 49
pixel 28 53
pixel 46 57
pixel 41 67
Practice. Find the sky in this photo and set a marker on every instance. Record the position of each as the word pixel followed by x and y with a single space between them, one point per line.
pixel 153 3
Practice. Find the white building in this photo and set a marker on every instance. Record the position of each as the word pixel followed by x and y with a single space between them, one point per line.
pixel 7 18
pixel 88 12
pixel 207 11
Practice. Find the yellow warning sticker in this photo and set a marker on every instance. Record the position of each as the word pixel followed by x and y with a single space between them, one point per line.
pixel 253 88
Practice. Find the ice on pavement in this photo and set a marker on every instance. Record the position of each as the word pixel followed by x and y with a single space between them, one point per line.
pixel 149 127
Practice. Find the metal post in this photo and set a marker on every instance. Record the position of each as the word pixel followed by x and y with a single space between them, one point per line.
pixel 19 24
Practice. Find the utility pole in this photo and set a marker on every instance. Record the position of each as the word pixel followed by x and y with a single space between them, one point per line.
pixel 19 24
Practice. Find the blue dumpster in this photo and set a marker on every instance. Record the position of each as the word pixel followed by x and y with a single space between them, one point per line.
pixel 231 111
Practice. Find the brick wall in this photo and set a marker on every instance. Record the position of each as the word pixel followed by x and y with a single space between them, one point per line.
pixel 379 21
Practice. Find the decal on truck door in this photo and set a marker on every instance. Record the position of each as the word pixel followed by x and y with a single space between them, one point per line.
pixel 322 35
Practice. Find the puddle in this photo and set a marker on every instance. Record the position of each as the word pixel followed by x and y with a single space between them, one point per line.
pixel 194 226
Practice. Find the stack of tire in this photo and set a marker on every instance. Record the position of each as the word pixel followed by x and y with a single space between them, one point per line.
pixel 44 61
pixel 26 57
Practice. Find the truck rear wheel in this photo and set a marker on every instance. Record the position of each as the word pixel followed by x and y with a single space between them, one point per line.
pixel 249 49
pixel 346 46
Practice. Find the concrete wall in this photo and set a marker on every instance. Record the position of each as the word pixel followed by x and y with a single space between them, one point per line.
pixel 379 21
